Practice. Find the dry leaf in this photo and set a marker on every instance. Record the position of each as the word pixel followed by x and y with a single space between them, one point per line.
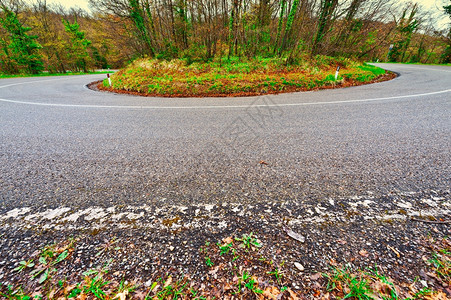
pixel 293 295
pixel 316 293
pixel 437 296
pixel 141 295
pixel 228 240
pixel 262 162
pixel 381 287
pixel 122 296
pixel 227 286
pixel 168 282
pixel 294 235
pixel 82 297
pixel 214 271
pixel 69 288
pixel 432 275
pixel 316 276
pixel 270 293
pixel 364 253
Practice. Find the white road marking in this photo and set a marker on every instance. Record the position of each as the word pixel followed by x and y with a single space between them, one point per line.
pixel 425 69
pixel 65 218
pixel 211 106
pixel 38 81
pixel 224 106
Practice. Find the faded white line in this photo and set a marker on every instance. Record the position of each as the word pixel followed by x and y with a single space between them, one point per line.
pixel 420 68
pixel 224 106
pixel 39 81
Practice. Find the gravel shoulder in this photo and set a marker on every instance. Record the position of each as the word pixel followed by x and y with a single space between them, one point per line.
pixel 160 241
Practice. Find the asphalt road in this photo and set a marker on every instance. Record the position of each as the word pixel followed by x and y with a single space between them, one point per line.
pixel 62 144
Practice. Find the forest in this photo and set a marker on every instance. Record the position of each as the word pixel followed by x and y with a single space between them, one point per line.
pixel 38 37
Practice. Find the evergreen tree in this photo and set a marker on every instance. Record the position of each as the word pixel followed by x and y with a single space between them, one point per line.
pixel 78 48
pixel 22 49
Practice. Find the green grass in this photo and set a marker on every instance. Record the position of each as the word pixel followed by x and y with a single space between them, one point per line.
pixel 52 74
pixel 350 285
pixel 441 262
pixel 238 77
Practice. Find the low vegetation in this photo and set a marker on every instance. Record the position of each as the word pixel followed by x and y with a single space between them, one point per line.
pixel 239 77
pixel 234 267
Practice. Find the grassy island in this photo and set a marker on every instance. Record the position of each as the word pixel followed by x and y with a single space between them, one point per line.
pixel 239 77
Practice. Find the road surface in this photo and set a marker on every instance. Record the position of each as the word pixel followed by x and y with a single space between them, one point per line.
pixel 62 144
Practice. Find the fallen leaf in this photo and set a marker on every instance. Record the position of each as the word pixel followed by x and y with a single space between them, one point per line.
pixel 141 295
pixel 122 296
pixel 214 271
pixel 270 293
pixel 293 295
pixel 316 276
pixel 82 297
pixel 381 287
pixel 168 282
pixel 432 275
pixel 294 235
pixel 437 296
pixel 228 240
pixel 69 288
pixel 363 253
pixel 262 162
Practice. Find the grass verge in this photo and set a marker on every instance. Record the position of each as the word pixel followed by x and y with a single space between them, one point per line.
pixel 234 268
pixel 234 77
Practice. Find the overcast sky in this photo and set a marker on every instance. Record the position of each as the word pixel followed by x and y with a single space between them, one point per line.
pixel 428 4
pixel 84 3
pixel 72 3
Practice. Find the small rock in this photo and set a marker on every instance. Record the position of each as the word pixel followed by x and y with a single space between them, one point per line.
pixel 299 266
pixel 171 248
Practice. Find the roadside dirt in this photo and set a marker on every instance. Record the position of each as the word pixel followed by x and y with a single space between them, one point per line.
pixel 149 242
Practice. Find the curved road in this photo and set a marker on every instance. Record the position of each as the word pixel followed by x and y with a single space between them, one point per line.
pixel 62 144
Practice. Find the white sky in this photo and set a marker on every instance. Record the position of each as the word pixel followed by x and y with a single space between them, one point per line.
pixel 72 3
pixel 432 5
pixel 84 3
